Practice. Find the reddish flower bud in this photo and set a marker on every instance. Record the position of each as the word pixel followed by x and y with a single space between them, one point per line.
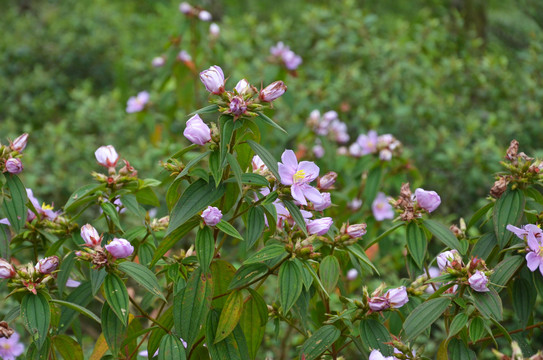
pixel 273 91
pixel 14 166
pixel 19 144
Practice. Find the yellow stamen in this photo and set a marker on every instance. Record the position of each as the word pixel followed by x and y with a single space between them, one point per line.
pixel 45 206
pixel 299 175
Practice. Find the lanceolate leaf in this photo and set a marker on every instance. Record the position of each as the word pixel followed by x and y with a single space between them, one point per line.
pixel 117 296
pixel 166 320
pixel 255 225
pixel 458 324
pixel 296 214
pixel 321 340
pixel 65 269
pixel 77 308
pixel 524 297
pixel 171 348
pixel 111 212
pixel 253 323
pixel 476 328
pixel 247 274
pixel 442 233
pixel 268 121
pixel 230 315
pixel 424 315
pixel 36 317
pixel 290 283
pixel 171 239
pixel 266 253
pixel 5 238
pixel 266 157
pixel 484 246
pixel 360 254
pixel 375 335
pixel 508 210
pixel 82 296
pixel 505 270
pixel 14 207
pixel 68 348
pixel 416 243
pixel 205 247
pixel 329 272
pixel 372 184
pixel 228 229
pixel 234 347
pixel 113 329
pixel 222 273
pixel 143 276
pixel 488 303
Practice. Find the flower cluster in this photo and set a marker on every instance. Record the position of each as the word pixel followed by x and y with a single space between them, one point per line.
pixel 107 157
pixel 475 273
pixel 393 298
pixel 194 12
pixel 10 155
pixel 385 145
pixel 533 237
pixel 29 277
pixel 328 124
pixel 10 347
pixel 411 205
pixel 116 249
pixel 282 53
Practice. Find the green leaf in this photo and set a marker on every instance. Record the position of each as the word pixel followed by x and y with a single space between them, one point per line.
pixel 171 348
pixel 234 347
pixel 479 214
pixel 488 303
pixel 312 272
pixel 524 297
pixel 191 163
pixel 35 353
pixel 476 329
pixel 266 120
pixel 424 316
pixel 227 129
pixel 321 340
pixel 459 350
pixel 68 348
pixel 360 254
pixel 97 279
pixel 198 196
pixel 236 169
pixel 505 270
pixel 254 179
pixel 117 297
pixel 205 110
pixel 64 272
pixel 372 184
pixel 192 305
pixel 183 151
pixel 131 204
pixel 508 210
pixel 484 246
pixel 329 273
pixel 375 335
pixel 15 206
pixel 416 243
pixel 82 196
pixel 253 323
pixel 255 225
pixel 222 273
pixel 82 296
pixel 77 308
pixel 228 229
pixel 215 166
pixel 266 157
pixel 36 317
pixel 166 320
pixel 112 214
pixel 143 276
pixel 5 238
pixel 172 238
pixel 246 274
pixel 230 315
pixel 113 328
pixel 290 283
pixel 266 253
pixel 205 247
pixel 296 215
pixel 458 324
pixel 442 233
pixel 146 196
pixel 383 235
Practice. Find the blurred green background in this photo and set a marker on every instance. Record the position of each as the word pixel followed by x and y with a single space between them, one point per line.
pixel 454 80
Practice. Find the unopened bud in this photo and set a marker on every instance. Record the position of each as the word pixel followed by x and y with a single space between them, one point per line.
pixel 327 181
pixel 273 91
pixel 47 265
pixel 19 144
pixel 14 166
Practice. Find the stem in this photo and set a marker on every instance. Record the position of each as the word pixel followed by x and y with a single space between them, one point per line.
pixel 145 315
pixel 195 346
pixel 539 324
pixel 138 346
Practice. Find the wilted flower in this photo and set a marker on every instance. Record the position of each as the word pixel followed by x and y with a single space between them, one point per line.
pixel 19 144
pixel 197 131
pixel 376 355
pixel 446 258
pixel 184 56
pixel 47 265
pixel 273 91
pixel 479 281
pixel 356 231
pixel 214 30
pixel 352 274
pixel 213 79
pixel 319 226
pixel 120 248
pixel 90 235
pixel 14 165
pixel 428 200
pixel 326 202
pixel 378 303
pixel 298 176
pixel 212 216
pixel 204 15
pixel 11 348
pixel 137 103
pixel 6 269
pixel 158 61
pixel 106 156
pixel 381 208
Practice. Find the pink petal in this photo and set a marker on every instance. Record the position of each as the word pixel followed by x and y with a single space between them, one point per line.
pixel 533 261
pixel 289 159
pixel 298 194
pixel 312 194
pixel 533 244
pixel 310 169
pixel 517 231
pixel 286 173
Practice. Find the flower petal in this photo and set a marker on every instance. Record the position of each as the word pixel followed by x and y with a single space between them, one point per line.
pixel 286 173
pixel 533 261
pixel 310 169
pixel 298 194
pixel 289 159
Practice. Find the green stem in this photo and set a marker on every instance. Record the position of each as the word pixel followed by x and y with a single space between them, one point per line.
pixel 147 316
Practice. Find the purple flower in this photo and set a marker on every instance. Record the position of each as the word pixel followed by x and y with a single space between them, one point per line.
pixel 356 231
pixel 327 181
pixel 197 131
pixel 318 151
pixel 478 281
pixel 339 128
pixel 428 200
pixel 298 176
pixel 326 202
pixel 284 215
pixel 291 60
pixel 47 265
pixel 319 226
pixel 238 106
pixel 352 274
pixel 534 257
pixel 120 248
pixel 45 210
pixel 381 208
pixel 354 204
pixel 243 87
pixel 365 144
pixel 258 165
pixel 204 15
pixel 19 144
pixel 14 165
pixel 71 283
pixel 213 79
pixel 278 49
pixel 90 235
pixel 106 156
pixel 385 155
pixel 376 355
pixel 446 258
pixel 6 269
pixel 273 91
pixel 212 216
pixel 158 61
pixel 394 298
pixel 137 103
pixel 11 348
pixel 185 8
pixel 214 30
pixel 378 303
pixel 184 56
pixel 525 231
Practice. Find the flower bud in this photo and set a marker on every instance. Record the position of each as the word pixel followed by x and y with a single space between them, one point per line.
pixel 184 56
pixel 212 216
pixel 319 226
pixel 354 204
pixel 213 79
pixel 14 165
pixel 258 165
pixel 6 270
pixel 90 235
pixel 318 151
pixel 137 103
pixel 428 200
pixel 377 355
pixel 478 282
pixel 352 274
pixel 273 91
pixel 106 156
pixel 19 144
pixel 185 8
pixel 243 87
pixel 47 265
pixel 356 231
pixel 204 15
pixel 197 131
pixel 397 297
pixel 326 202
pixel 327 181
pixel 378 303
pixel 120 248
pixel 237 106
pixel 446 258
pixel 214 30
pixel 158 61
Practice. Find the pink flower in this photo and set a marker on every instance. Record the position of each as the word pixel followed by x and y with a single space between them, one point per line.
pixel 19 144
pixel 326 202
pixel 158 61
pixel 534 257
pixel 214 30
pixel 354 204
pixel 45 210
pixel 318 151
pixel 365 144
pixel 120 248
pixel 71 283
pixel 394 298
pixel 47 265
pixel 106 156
pixel 137 103
pixel 298 176
pixel 291 60
pixel 185 8
pixel 212 216
pixel 213 79
pixel 428 200
pixel 352 274
pixel 327 181
pixel 376 355
pixel 382 210
pixel 278 49
pixel 184 56
pixel 319 226
pixel 204 15
pixel 7 270
pixel 479 281
pixel 356 231
pixel 243 87
pixel 238 106
pixel 11 348
pixel 446 258
pixel 90 235
pixel 523 232
pixel 273 91
pixel 258 165
pixel 378 303
pixel 197 131
pixel 14 166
